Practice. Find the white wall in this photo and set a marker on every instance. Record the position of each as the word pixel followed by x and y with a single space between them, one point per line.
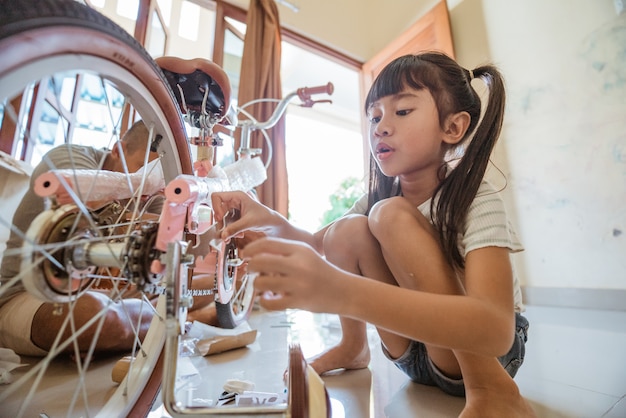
pixel 564 142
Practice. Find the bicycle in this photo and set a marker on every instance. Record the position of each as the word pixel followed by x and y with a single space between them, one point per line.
pixel 73 248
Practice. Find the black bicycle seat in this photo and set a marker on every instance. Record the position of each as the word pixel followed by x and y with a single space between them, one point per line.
pixel 194 77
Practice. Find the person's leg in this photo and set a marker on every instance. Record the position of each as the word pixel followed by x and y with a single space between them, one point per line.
pixel 348 244
pixel 117 334
pixel 16 318
pixel 489 390
pixel 411 250
pixel 203 309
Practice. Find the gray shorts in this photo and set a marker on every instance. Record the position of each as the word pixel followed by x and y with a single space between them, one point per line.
pixel 416 364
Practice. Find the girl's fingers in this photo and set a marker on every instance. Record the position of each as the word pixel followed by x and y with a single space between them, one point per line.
pixel 233 230
pixel 251 213
pixel 269 265
pixel 271 283
pixel 285 272
pixel 273 301
pixel 222 202
pixel 277 246
pixel 271 298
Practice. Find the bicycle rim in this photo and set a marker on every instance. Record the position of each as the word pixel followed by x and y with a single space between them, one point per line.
pixel 42 43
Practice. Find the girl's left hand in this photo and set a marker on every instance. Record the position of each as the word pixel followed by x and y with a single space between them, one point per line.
pixel 291 274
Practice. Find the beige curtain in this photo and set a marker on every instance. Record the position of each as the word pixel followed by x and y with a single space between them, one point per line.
pixel 260 78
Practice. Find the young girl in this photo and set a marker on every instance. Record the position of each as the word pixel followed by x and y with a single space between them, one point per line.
pixel 425 255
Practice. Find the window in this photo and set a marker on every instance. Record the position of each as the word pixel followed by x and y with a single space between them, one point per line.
pixel 327 135
pixel 124 13
pixel 189 21
pixel 156 38
pixel 193 34
pixel 324 144
pixel 165 6
pixel 234 34
pixel 97 109
pixel 128 8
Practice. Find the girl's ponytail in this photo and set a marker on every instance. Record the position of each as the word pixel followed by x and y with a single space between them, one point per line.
pixel 457 191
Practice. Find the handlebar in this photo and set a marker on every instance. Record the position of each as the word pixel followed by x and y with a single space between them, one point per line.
pixel 304 93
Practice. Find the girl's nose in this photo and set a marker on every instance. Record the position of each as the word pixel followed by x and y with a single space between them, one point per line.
pixel 382 129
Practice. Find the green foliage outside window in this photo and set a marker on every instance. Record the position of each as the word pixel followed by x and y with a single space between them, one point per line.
pixel 344 197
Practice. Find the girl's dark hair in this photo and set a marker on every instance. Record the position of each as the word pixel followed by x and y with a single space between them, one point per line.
pixel 449 84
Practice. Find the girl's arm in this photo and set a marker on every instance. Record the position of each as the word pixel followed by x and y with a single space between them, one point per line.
pixel 257 217
pixel 481 321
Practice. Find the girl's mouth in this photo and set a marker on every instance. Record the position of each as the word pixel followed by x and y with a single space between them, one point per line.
pixel 383 150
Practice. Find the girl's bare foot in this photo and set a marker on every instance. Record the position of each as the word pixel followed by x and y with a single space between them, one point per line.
pixel 488 403
pixel 343 356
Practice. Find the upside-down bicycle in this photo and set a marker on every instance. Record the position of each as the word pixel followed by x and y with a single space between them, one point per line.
pixel 71 248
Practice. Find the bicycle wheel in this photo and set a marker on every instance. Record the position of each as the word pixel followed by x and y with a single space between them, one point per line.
pixel 236 288
pixel 49 50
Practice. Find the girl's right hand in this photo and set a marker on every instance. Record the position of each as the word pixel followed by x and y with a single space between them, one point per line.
pixel 291 274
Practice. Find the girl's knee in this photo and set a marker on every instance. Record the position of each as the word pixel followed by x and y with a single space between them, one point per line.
pixel 393 213
pixel 346 235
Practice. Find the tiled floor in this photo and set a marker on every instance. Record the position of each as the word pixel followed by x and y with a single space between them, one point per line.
pixel 576 363
pixel 575 367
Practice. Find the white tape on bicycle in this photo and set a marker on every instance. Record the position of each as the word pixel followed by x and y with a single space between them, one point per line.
pixel 101 185
pixel 242 175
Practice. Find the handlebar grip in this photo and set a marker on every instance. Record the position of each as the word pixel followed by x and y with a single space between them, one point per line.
pixel 306 92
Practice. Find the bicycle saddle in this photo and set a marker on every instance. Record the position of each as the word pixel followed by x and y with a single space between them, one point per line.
pixel 194 78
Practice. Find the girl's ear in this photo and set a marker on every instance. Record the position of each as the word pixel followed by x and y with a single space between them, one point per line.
pixel 455 127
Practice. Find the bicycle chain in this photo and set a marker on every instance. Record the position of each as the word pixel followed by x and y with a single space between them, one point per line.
pixel 156 289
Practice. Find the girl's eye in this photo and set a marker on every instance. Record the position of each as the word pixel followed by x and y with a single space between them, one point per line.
pixel 403 112
pixel 374 119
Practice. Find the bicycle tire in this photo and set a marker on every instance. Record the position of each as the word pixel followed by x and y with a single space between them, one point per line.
pixel 39 38
pixel 238 308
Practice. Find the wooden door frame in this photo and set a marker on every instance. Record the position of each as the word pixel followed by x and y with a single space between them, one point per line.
pixel 431 32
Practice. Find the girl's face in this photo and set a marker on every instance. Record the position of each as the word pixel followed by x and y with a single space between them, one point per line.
pixel 404 132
